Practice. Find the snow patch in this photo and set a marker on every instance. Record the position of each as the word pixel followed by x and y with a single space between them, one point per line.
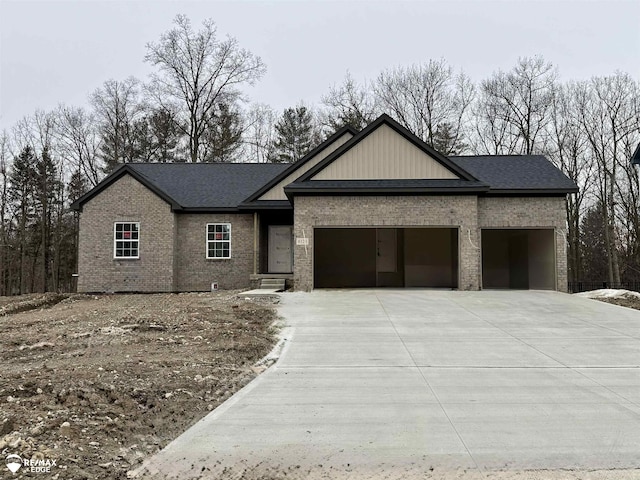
pixel 610 293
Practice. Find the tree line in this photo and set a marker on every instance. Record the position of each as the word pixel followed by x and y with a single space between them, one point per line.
pixel 194 108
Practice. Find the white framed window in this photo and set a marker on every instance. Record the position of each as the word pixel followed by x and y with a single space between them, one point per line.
pixel 218 240
pixel 126 240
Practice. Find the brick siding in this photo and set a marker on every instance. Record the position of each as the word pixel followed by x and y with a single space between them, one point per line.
pixel 388 211
pixel 172 246
pixel 194 271
pixel 468 213
pixel 126 200
pixel 530 212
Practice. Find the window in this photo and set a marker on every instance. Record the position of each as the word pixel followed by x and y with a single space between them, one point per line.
pixel 218 240
pixel 126 240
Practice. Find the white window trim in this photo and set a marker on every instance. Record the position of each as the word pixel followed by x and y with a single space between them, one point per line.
pixel 206 241
pixel 114 241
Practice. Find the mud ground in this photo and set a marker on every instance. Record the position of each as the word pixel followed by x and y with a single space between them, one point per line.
pixel 629 302
pixel 98 383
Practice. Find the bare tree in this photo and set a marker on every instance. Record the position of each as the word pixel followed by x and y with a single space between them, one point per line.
pixel 492 132
pixel 426 97
pixel 197 71
pixel 118 106
pixel 568 149
pixel 517 103
pixel 607 113
pixel 79 142
pixel 37 130
pixel 259 133
pixel 349 104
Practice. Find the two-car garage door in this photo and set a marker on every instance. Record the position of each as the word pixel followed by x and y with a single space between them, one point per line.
pixel 429 257
pixel 385 257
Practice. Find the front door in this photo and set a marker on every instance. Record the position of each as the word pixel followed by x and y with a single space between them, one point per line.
pixel 280 251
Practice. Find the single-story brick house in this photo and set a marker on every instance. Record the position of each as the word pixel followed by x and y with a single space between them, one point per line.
pixel 375 208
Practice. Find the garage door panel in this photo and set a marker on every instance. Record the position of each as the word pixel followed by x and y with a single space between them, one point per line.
pixel 430 257
pixel 343 258
pixel 542 260
pixel 518 259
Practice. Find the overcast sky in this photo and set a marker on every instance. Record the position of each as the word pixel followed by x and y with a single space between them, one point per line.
pixel 55 52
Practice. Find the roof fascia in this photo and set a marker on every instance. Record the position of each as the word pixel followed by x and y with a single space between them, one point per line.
pixel 300 191
pixel 208 210
pixel 519 192
pixel 254 206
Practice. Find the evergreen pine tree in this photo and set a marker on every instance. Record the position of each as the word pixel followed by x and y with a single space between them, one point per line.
pixel 224 133
pixel 165 135
pixel 21 180
pixel 294 135
pixel 446 141
pixel 47 194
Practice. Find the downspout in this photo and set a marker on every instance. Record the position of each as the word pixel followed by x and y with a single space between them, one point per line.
pixel 255 243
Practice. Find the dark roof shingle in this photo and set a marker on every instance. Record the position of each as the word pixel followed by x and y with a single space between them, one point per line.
pixel 224 186
pixel 206 185
pixel 516 172
pixel 195 186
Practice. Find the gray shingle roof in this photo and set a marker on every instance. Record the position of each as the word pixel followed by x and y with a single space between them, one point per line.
pixel 194 186
pixel 207 185
pixel 516 172
pixel 224 186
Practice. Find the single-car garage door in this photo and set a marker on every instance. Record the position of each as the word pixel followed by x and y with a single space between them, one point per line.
pixel 385 257
pixel 519 259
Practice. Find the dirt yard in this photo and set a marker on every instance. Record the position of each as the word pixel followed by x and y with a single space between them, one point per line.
pixel 624 298
pixel 98 383
pixel 630 302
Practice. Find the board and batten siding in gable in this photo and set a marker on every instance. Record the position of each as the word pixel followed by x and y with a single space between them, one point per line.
pixel 277 191
pixel 384 154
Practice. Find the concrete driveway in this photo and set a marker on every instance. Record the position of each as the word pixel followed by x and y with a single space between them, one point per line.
pixel 403 381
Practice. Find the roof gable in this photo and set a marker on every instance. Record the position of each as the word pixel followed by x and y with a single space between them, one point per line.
pixel 385 151
pixel 114 177
pixel 274 190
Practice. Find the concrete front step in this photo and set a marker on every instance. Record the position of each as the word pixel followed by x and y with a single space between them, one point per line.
pixel 273 283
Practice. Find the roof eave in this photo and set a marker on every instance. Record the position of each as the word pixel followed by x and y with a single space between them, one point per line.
pixel 208 210
pixel 293 191
pixel 531 191
pixel 255 206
